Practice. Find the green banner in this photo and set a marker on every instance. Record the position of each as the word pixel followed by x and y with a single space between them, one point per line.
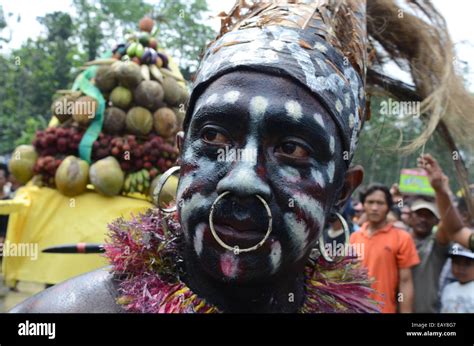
pixel 415 181
pixel 84 84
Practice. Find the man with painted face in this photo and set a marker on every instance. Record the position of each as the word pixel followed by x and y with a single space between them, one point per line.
pixel 272 126
pixel 245 225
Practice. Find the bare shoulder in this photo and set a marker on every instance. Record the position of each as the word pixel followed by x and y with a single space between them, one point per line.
pixel 93 292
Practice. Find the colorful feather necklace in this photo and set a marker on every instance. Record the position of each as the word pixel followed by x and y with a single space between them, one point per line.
pixel 145 253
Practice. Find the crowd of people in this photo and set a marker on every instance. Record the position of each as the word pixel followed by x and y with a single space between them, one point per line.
pixel 417 249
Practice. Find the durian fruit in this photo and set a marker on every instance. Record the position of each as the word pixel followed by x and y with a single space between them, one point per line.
pixel 22 163
pixel 149 94
pixel 85 108
pixel 72 176
pixel 139 121
pixel 105 78
pixel 121 97
pixel 107 176
pixel 114 120
pixel 165 122
pixel 173 91
pixel 128 73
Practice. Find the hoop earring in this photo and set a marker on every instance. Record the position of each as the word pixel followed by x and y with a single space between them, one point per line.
pixel 322 243
pixel 159 187
pixel 236 248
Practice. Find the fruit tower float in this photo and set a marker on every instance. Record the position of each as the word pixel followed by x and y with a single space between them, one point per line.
pixel 109 139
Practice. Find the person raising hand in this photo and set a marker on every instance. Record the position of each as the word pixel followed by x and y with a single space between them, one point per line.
pixel 450 219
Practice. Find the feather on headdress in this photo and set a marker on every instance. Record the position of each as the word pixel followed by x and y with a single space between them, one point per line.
pixel 324 45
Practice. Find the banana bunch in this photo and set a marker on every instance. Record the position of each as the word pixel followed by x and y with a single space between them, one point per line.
pixel 137 182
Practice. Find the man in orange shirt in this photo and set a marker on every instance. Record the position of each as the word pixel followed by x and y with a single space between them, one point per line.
pixel 388 252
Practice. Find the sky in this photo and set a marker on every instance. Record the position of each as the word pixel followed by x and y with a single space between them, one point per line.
pixel 458 14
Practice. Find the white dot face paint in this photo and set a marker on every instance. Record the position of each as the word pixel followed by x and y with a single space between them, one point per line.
pixel 246 179
pixel 229 264
pixel 231 96
pixel 201 102
pixel 298 233
pixel 198 238
pixel 188 154
pixel 275 256
pixel 331 171
pixel 294 110
pixel 258 106
pixel 311 207
pixel 290 174
pixel 319 119
pixel 332 145
pixel 197 201
pixel 212 99
pixel 185 182
pixel 243 177
pixel 318 177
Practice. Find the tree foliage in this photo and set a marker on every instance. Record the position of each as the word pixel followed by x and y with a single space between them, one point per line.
pixel 181 31
pixel 33 73
pixel 380 139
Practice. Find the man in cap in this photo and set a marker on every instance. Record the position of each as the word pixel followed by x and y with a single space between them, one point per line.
pixel 452 225
pixel 452 222
pixel 433 251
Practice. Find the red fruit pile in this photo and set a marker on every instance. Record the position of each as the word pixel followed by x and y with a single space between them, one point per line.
pixel 58 140
pixel 128 153
pixel 101 147
pixel 155 154
pixel 159 154
pixel 46 167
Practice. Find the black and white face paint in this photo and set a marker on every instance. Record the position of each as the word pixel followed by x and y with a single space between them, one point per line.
pixel 286 149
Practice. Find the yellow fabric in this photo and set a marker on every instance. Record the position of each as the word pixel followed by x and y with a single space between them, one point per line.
pixel 9 206
pixel 48 218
